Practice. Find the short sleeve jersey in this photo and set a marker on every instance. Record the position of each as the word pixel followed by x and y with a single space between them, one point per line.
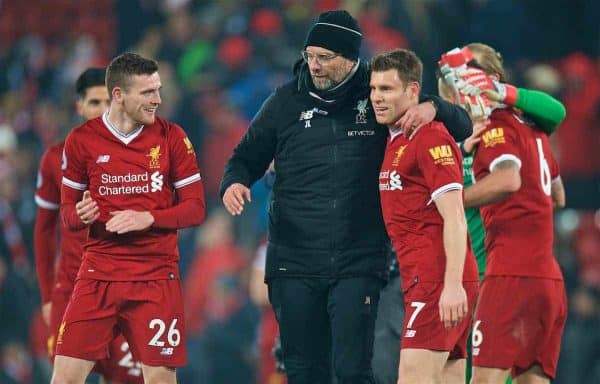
pixel 140 171
pixel 519 229
pixel 47 196
pixel 413 174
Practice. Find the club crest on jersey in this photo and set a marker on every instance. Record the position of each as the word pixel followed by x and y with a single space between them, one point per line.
pixel 188 145
pixel 493 136
pixel 61 332
pixel 399 154
pixel 362 107
pixel 442 154
pixel 154 155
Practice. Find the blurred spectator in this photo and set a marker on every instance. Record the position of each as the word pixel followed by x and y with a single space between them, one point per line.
pixel 268 330
pixel 220 320
pixel 225 127
pixel 578 139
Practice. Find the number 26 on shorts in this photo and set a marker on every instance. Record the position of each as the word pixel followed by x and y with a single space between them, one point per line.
pixel 173 334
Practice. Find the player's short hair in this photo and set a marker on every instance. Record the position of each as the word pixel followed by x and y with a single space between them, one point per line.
pixel 406 62
pixel 91 77
pixel 489 60
pixel 122 67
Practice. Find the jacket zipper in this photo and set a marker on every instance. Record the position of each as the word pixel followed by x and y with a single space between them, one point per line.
pixel 335 160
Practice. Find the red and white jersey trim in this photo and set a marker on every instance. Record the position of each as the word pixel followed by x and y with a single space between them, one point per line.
pixel 187 181
pixel 45 203
pixel 126 139
pixel 74 184
pixel 505 157
pixel 443 189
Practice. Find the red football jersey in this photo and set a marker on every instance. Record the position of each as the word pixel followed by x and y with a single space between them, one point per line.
pixel 140 171
pixel 519 229
pixel 47 196
pixel 415 172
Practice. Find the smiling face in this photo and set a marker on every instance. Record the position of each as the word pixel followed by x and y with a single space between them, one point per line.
pixel 140 98
pixel 390 97
pixel 327 69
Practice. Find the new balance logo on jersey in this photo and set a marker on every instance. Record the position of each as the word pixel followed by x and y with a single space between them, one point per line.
pixel 167 351
pixel 103 159
pixel 157 181
pixel 410 333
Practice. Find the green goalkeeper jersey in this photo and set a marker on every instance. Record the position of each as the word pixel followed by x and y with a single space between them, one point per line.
pixel 474 221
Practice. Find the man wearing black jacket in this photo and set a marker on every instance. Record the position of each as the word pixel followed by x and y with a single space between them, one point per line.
pixel 327 250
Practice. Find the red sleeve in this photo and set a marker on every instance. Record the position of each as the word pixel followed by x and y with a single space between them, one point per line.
pixel 68 212
pixel 188 212
pixel 499 142
pixel 44 247
pixel 47 192
pixel 439 160
pixel 74 182
pixel 185 176
pixel 45 231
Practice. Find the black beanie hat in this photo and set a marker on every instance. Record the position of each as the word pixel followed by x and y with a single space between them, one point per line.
pixel 337 31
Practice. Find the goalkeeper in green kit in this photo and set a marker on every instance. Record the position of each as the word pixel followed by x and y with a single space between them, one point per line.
pixel 483 79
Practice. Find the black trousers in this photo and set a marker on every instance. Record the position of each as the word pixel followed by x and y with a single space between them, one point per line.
pixel 326 323
pixel 388 331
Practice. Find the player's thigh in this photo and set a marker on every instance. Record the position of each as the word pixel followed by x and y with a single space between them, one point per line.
pixel 543 323
pixel 152 321
pixel 89 322
pixel 159 375
pixel 534 375
pixel 60 300
pixel 421 365
pixel 485 375
pixel 70 370
pixel 495 330
pixel 120 367
pixel 423 329
pixel 454 371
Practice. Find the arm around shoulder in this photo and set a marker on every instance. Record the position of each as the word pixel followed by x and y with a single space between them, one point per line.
pixel 455 118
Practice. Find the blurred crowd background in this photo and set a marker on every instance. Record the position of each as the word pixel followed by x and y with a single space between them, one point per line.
pixel 218 62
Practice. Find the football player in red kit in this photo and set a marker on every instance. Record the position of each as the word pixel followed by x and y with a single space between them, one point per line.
pixel 132 178
pixel 93 100
pixel 420 185
pixel 521 308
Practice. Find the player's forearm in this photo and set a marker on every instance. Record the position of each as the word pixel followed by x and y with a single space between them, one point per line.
pixel 493 188
pixel 455 246
pixel 69 217
pixel 558 193
pixel 189 212
pixel 68 213
pixel 543 109
pixel 44 246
